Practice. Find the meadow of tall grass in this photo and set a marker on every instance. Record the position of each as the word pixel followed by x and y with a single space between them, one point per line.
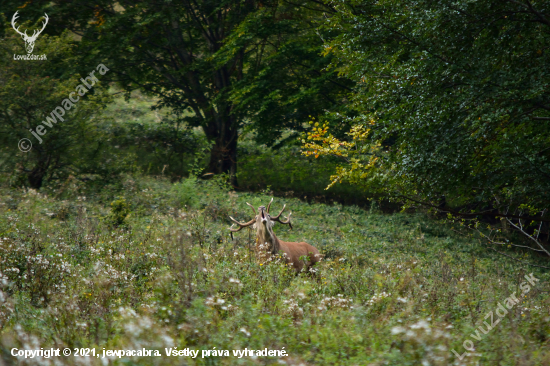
pixel 149 264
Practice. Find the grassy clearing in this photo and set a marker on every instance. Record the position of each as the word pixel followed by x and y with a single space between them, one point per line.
pixel 152 265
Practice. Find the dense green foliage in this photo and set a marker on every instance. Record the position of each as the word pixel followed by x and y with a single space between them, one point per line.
pixel 456 93
pixel 29 92
pixel 175 278
pixel 220 65
pixel 289 79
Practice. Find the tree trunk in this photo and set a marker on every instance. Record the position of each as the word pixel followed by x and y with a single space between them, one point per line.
pixel 221 127
pixel 222 130
pixel 223 159
pixel 36 177
pixel 38 172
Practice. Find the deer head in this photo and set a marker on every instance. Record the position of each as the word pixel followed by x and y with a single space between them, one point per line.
pixel 29 41
pixel 263 223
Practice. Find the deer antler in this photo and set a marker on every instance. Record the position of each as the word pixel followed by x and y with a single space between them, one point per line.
pixel 253 209
pixel 36 33
pixel 276 218
pixel 241 225
pixel 13 24
pixel 269 204
pixel 284 222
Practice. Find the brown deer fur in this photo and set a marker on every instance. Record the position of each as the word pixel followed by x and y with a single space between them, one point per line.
pixel 268 243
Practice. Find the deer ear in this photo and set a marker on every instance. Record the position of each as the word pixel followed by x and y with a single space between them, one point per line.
pixel 272 223
pixel 254 226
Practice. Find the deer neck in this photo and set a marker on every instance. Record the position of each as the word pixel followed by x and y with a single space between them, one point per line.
pixel 266 236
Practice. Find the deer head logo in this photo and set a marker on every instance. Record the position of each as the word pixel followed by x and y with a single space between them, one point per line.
pixel 29 41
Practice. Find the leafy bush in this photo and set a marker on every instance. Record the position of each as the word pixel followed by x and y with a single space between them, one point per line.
pixel 187 192
pixel 119 212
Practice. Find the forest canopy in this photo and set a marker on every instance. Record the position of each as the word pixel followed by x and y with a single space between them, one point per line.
pixel 451 104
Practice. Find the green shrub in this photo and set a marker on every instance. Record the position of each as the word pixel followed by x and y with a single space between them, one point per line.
pixel 118 215
pixel 187 192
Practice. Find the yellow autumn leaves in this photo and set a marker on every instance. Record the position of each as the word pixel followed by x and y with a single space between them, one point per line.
pixel 359 153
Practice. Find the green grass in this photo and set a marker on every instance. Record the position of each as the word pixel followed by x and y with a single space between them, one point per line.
pixel 158 269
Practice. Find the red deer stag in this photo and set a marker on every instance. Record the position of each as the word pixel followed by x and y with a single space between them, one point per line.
pixel 263 224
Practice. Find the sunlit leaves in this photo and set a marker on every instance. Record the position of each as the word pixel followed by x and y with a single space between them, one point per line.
pixel 360 153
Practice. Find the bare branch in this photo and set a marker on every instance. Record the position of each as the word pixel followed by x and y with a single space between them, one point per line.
pixel 520 229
